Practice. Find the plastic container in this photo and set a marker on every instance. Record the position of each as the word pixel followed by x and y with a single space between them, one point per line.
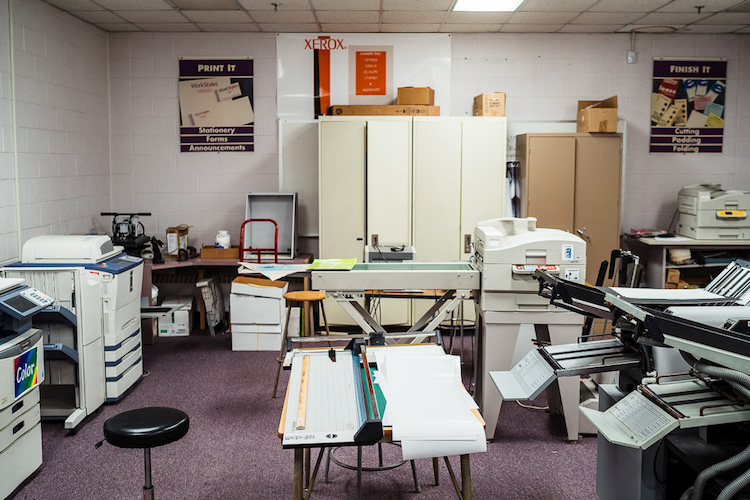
pixel 223 240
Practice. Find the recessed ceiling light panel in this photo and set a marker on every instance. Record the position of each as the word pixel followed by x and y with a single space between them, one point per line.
pixel 486 5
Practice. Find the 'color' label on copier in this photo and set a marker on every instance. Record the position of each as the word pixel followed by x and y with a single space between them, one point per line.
pixel 25 371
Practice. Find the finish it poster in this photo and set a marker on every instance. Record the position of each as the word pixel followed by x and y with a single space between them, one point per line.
pixel 687 106
pixel 216 105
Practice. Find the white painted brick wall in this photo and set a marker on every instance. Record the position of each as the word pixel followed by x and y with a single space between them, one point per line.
pixel 62 122
pixel 545 75
pixel 205 190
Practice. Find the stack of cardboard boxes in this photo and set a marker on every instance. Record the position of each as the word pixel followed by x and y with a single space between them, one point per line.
pixel 411 101
pixel 256 309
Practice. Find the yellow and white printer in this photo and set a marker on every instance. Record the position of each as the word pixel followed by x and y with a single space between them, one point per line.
pixel 706 212
pixel 508 250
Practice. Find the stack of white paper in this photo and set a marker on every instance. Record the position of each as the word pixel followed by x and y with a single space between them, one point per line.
pixel 427 407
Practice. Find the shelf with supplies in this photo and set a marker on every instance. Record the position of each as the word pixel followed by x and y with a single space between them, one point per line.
pixel 672 262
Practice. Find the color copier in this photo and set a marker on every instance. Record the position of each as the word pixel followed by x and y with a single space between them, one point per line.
pixel 706 212
pixel 21 372
pixel 97 288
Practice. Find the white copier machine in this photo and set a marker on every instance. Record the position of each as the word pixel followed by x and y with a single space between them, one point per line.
pixel 21 372
pixel 97 288
pixel 508 251
pixel 706 212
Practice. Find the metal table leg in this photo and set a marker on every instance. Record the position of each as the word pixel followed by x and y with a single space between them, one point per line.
pixel 298 474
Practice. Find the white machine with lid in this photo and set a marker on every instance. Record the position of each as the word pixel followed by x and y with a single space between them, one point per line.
pixel 707 212
pixel 508 251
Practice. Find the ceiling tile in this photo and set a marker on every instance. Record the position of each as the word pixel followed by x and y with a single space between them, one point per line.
pixel 70 5
pixel 727 18
pixel 216 16
pixel 282 17
pixel 671 19
pixel 358 17
pixel 400 16
pixel 650 28
pixel 470 28
pixel 530 28
pixel 289 28
pixel 135 4
pixel 346 5
pixel 712 28
pixel 229 27
pixel 590 28
pixel 541 17
pixel 152 16
pixel 97 16
pixel 606 18
pixel 410 28
pixel 555 5
pixel 349 28
pixel 689 6
pixel 168 27
pixel 427 5
pixel 205 4
pixel 118 27
pixel 284 5
pixel 629 6
pixel 477 17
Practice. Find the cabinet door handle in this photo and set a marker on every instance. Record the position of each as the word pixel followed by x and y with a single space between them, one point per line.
pixel 582 233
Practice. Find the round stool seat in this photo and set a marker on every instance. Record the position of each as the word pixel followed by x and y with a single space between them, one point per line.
pixel 305 296
pixel 146 427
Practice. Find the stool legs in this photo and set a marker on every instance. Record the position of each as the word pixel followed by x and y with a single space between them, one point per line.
pixel 148 488
pixel 283 348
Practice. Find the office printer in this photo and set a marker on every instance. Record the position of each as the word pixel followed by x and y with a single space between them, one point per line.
pixel 106 303
pixel 706 212
pixel 21 373
pixel 508 251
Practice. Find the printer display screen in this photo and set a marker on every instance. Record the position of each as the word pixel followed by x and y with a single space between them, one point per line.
pixel 19 303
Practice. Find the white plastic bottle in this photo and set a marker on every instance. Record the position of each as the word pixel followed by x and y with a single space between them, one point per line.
pixel 223 240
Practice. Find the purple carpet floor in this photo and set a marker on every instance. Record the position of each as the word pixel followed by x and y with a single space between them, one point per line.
pixel 232 450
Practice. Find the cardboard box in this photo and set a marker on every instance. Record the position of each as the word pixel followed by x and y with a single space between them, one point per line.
pixel 384 110
pixel 673 276
pixel 211 252
pixel 180 322
pixel 177 239
pixel 257 301
pixel 489 104
pixel 255 341
pixel 597 116
pixel 416 95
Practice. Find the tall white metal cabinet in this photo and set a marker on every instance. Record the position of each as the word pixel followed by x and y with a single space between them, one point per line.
pixel 422 181
pixel 459 180
pixel 364 191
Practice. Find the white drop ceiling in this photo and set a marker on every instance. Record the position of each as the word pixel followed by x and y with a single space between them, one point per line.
pixel 411 16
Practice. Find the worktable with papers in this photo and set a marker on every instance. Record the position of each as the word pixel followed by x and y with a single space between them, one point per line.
pixel 411 394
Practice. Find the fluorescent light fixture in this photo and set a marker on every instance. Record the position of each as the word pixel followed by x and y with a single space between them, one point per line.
pixel 487 5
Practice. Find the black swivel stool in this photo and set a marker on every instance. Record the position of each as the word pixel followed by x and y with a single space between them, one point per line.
pixel 146 428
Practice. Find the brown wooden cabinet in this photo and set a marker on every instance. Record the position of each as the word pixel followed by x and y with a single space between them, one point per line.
pixel 572 182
